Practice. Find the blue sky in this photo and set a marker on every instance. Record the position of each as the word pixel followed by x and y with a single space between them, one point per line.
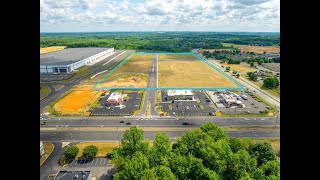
pixel 159 15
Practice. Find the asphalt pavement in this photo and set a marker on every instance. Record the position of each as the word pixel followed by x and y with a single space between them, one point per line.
pixel 75 136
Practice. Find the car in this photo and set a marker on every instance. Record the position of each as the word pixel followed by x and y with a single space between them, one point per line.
pixel 121 121
pixel 128 123
pixel 212 114
pixel 188 123
pixel 208 100
pixel 43 123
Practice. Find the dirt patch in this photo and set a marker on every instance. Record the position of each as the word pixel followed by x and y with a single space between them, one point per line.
pixel 129 81
pixel 78 101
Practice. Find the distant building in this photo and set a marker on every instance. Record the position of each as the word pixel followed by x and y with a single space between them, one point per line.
pixel 115 99
pixel 67 60
pixel 179 95
pixel 41 149
pixel 73 175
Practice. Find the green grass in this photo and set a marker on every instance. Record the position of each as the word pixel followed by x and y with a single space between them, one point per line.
pixel 219 113
pixel 57 86
pixel 275 92
pixel 201 107
pixel 44 91
pixel 79 72
pixel 124 91
pixel 95 103
pixel 64 160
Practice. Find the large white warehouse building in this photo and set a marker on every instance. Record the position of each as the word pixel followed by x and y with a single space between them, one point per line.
pixel 67 60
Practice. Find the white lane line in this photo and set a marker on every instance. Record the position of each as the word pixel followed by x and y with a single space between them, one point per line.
pixel 114 58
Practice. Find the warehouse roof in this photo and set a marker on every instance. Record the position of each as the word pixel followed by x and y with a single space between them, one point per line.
pixel 69 55
pixel 71 175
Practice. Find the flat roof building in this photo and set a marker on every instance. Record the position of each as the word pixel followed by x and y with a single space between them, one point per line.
pixel 73 175
pixel 115 99
pixel 67 60
pixel 179 95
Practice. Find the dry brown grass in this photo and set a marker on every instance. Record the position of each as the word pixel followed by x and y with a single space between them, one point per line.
pixel 103 147
pixel 188 71
pixel 256 49
pixel 242 67
pixel 78 101
pixel 51 49
pixel 137 63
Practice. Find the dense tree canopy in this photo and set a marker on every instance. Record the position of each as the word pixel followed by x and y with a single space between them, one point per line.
pixel 90 151
pixel 203 153
pixel 155 41
pixel 252 76
pixel 271 82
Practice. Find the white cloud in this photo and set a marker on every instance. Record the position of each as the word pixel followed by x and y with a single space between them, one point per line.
pixel 212 15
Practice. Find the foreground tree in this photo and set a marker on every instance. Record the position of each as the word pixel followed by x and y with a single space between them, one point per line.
pixel 90 151
pixel 71 152
pixel 263 152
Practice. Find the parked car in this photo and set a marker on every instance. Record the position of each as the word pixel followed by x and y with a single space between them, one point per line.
pixel 43 123
pixel 121 121
pixel 128 123
pixel 212 114
pixel 244 97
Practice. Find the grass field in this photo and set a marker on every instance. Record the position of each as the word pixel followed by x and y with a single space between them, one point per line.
pixel 103 147
pixel 256 49
pixel 51 49
pixel 185 70
pixel 44 91
pixel 132 73
pixel 242 67
pixel 275 91
pixel 78 101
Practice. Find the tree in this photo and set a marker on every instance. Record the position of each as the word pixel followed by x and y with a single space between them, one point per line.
pixel 135 168
pixel 133 141
pixel 251 64
pixel 213 130
pixel 234 72
pixel 164 173
pixel 260 62
pixel 252 76
pixel 271 82
pixel 161 150
pixel 71 152
pixel 236 145
pixel 90 151
pixel 228 68
pixel 263 151
pixel 271 168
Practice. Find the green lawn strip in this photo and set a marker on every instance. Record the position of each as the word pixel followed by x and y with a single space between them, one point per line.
pixel 44 91
pixel 275 91
pixel 219 113
pixel 79 72
pixel 48 149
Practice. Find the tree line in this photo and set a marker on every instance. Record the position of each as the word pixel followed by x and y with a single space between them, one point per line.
pixel 204 153
pixel 157 41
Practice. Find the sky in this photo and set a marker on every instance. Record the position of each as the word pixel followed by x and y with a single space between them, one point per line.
pixel 159 15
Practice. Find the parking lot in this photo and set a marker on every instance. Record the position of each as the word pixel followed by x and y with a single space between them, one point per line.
pixel 88 163
pixel 252 105
pixel 131 104
pixel 188 108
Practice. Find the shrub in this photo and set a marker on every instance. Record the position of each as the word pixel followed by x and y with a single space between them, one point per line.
pixel 90 151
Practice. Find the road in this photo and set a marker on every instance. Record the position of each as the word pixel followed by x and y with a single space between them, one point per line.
pixel 150 95
pixel 70 136
pixel 249 85
pixel 157 121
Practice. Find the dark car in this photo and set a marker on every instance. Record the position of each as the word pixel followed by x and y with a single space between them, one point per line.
pixel 128 123
pixel 121 121
pixel 212 114
pixel 43 123
pixel 188 123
